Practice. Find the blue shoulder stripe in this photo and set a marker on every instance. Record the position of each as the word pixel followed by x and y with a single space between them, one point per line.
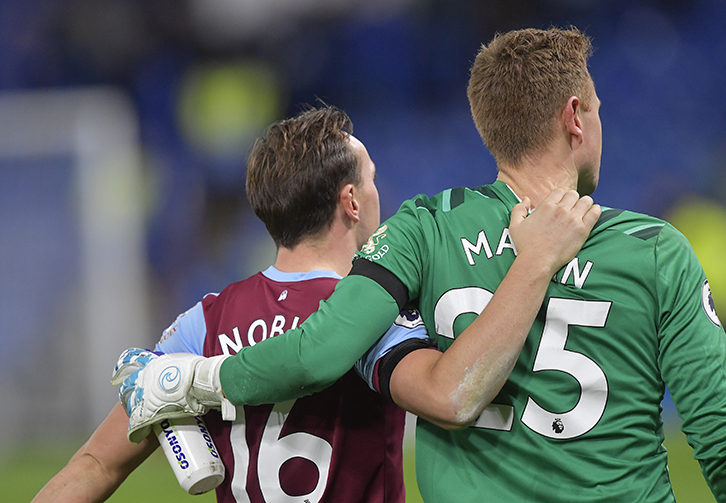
pixel 186 334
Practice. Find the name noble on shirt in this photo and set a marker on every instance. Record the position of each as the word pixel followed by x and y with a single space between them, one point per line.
pixel 257 331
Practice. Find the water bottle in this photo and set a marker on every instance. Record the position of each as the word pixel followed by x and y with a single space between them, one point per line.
pixel 191 453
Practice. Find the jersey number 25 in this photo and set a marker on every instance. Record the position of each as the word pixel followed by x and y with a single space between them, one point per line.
pixel 551 355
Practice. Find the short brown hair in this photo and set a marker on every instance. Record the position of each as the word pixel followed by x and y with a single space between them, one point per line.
pixel 520 82
pixel 296 170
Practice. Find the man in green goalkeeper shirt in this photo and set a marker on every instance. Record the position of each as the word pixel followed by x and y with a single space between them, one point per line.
pixel 575 416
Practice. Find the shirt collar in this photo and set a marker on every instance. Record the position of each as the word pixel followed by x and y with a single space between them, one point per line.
pixel 275 274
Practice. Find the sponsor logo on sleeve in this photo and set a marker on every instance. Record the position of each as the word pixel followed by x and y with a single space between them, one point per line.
pixel 372 243
pixel 708 305
pixel 169 331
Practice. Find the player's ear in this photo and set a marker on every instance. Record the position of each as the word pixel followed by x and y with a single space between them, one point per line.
pixel 571 118
pixel 348 202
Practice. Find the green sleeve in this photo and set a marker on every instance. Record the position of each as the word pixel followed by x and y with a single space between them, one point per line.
pixel 317 353
pixel 400 244
pixel 692 355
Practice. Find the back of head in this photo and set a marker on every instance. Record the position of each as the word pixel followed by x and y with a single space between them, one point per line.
pixel 520 82
pixel 296 170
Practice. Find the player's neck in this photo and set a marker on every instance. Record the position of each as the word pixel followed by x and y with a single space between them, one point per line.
pixel 536 178
pixel 316 254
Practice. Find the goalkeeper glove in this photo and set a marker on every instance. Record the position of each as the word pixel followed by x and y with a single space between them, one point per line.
pixel 154 388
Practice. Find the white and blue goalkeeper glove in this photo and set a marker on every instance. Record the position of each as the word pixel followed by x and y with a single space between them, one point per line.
pixel 154 388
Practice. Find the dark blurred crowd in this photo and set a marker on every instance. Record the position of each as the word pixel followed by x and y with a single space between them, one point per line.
pixel 206 76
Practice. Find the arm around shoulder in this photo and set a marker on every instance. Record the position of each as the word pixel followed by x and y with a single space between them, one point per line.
pixel 451 389
pixel 316 354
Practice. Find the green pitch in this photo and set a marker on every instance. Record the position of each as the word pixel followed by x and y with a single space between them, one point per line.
pixel 24 472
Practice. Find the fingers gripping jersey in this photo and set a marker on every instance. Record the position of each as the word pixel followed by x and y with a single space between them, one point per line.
pixel 579 418
pixel 342 444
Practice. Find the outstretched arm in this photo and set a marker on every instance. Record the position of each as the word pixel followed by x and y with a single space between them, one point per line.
pixel 277 369
pixel 100 465
pixel 313 356
pixel 342 329
pixel 451 389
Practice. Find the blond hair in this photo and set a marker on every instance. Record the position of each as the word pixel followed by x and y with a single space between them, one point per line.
pixel 520 82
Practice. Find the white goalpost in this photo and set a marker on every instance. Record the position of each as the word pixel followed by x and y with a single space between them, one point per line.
pixel 83 296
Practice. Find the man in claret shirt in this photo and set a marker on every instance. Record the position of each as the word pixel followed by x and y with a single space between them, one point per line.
pixel 312 183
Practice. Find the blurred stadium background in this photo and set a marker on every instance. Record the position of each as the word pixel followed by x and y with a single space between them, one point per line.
pixel 125 124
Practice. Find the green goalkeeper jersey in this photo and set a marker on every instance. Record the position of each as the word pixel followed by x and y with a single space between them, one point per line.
pixel 580 417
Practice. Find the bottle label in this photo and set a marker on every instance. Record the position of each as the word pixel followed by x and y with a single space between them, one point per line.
pixel 189 448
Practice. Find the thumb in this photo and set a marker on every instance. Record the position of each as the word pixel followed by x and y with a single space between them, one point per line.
pixel 520 211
